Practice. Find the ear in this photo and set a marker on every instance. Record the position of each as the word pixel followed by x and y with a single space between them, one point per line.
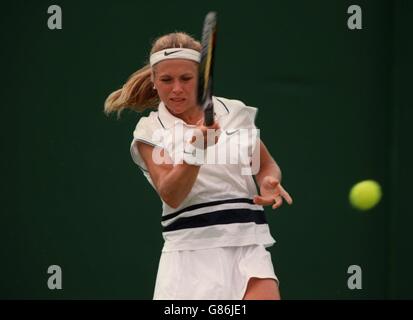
pixel 153 80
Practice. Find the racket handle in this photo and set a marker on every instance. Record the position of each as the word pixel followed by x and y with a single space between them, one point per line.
pixel 209 115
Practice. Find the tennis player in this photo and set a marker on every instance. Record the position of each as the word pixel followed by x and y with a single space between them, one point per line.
pixel 214 228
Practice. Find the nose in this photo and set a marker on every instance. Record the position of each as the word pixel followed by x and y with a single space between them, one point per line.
pixel 177 88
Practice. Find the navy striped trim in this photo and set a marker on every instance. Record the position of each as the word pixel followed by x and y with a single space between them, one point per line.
pixel 147 142
pixel 223 104
pixel 207 204
pixel 218 217
pixel 144 170
pixel 161 122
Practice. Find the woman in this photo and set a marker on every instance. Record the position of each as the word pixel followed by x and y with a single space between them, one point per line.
pixel 213 221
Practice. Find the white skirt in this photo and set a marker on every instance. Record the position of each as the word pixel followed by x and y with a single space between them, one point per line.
pixel 211 274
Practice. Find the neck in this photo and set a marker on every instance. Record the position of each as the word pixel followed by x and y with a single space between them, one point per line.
pixel 191 116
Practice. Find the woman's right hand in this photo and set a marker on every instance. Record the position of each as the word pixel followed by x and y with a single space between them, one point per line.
pixel 205 136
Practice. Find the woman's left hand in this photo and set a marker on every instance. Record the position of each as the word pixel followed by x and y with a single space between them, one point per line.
pixel 272 193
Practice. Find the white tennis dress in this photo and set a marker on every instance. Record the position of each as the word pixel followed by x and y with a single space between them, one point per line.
pixel 215 240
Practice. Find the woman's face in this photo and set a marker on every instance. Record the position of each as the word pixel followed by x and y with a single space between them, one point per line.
pixel 176 81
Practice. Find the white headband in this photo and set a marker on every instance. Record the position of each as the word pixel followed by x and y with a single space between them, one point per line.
pixel 175 53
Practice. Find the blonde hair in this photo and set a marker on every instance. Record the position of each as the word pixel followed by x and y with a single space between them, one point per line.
pixel 138 93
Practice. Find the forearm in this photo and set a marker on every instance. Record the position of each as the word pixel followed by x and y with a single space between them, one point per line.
pixel 268 168
pixel 177 183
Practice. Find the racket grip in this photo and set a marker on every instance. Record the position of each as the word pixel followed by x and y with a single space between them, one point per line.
pixel 209 115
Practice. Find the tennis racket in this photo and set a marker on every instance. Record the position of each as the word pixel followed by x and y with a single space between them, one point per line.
pixel 206 67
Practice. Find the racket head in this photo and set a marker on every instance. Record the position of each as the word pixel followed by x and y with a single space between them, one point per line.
pixel 206 67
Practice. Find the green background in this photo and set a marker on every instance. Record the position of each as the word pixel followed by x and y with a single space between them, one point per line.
pixel 333 109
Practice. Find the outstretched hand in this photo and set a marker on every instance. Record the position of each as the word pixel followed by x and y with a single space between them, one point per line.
pixel 272 193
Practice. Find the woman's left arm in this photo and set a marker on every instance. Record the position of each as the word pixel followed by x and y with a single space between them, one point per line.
pixel 269 181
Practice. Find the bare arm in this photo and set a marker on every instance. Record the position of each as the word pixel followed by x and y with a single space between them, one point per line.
pixel 269 181
pixel 173 182
pixel 268 166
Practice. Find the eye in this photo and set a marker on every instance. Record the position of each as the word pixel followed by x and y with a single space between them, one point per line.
pixel 186 78
pixel 166 80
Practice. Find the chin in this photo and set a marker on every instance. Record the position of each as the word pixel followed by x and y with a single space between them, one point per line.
pixel 178 107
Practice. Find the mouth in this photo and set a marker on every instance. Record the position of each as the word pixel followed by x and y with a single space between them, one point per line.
pixel 177 99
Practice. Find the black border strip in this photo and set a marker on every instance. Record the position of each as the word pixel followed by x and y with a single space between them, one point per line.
pixel 206 204
pixel 218 217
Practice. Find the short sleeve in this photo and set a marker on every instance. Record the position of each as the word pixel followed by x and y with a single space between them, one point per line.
pixel 145 131
pixel 241 116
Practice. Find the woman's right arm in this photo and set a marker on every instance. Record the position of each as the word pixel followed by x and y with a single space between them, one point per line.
pixel 172 182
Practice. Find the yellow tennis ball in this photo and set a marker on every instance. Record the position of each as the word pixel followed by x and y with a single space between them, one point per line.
pixel 365 194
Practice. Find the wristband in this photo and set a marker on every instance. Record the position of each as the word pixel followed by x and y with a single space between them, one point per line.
pixel 194 156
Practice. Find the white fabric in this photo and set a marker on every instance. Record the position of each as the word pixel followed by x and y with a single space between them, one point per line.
pixel 215 182
pixel 174 53
pixel 211 274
